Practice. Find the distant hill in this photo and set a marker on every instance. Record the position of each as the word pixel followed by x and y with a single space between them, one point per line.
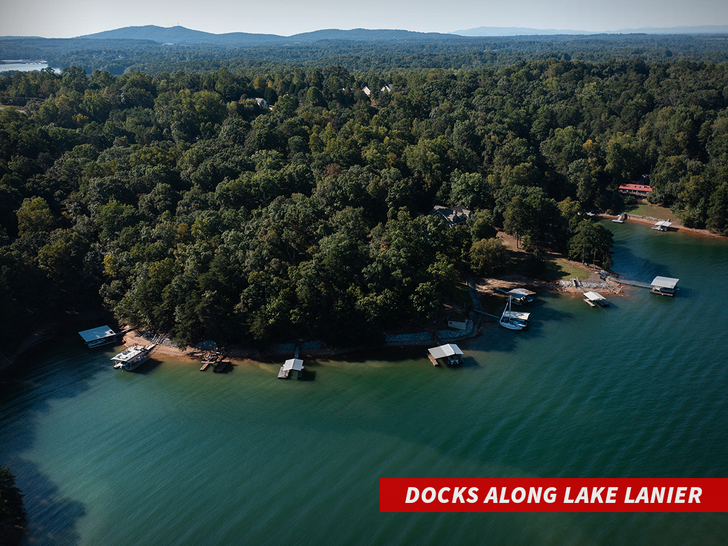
pixel 520 31
pixel 182 35
pixel 515 31
pixel 366 35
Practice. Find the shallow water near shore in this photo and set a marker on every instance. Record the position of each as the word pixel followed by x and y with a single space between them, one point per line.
pixel 170 455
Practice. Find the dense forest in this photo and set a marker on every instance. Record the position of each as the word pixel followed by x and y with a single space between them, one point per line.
pixel 118 51
pixel 265 203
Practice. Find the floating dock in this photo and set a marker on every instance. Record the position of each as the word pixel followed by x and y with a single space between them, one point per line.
pixel 295 364
pixel 519 296
pixel 221 365
pixel 95 337
pixel 620 219
pixel 662 225
pixel 450 352
pixel 215 359
pixel 594 298
pixel 664 286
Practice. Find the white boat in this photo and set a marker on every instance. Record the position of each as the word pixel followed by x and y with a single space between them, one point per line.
pixel 513 320
pixel 133 357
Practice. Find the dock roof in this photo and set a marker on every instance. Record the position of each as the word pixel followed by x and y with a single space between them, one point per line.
pixel 293 364
pixel 445 350
pixel 94 334
pixel 664 282
pixel 594 296
pixel 521 292
pixel 516 315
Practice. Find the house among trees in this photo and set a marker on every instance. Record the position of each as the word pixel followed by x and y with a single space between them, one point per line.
pixel 455 216
pixel 638 190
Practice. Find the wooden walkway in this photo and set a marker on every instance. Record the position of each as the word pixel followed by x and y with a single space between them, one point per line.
pixel 633 283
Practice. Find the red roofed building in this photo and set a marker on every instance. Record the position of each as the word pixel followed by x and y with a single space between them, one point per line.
pixel 639 190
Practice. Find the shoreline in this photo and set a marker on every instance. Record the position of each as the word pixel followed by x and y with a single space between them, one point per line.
pixel 480 287
pixel 650 221
pixel 315 349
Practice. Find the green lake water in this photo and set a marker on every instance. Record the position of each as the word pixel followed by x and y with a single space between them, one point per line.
pixel 170 455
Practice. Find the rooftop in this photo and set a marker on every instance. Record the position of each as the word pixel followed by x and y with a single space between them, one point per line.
pixel 665 282
pixel 94 334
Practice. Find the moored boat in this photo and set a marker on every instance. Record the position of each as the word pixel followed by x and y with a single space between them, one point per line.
pixel 513 320
pixel 131 358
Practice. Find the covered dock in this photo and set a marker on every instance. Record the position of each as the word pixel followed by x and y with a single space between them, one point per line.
pixel 450 352
pixel 664 286
pixel 516 315
pixel 295 364
pixel 594 298
pixel 519 296
pixel 662 225
pixel 98 336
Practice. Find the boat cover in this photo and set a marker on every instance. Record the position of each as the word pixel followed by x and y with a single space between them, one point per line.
pixel 516 315
pixel 594 296
pixel 521 292
pixel 94 334
pixel 293 364
pixel 664 282
pixel 445 350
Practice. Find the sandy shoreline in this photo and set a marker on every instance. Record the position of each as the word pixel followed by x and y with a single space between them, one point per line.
pixel 649 221
pixel 482 286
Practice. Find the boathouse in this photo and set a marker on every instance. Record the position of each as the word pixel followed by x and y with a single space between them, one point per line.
pixel 662 225
pixel 295 364
pixel 450 352
pixel 664 286
pixel 96 337
pixel 521 295
pixel 594 298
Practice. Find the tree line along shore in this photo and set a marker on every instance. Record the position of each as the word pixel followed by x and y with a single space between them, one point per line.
pixel 272 204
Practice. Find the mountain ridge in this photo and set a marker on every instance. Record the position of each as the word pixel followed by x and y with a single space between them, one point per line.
pixel 183 35
pixel 484 32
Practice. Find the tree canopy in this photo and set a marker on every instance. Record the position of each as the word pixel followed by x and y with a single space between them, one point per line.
pixel 181 202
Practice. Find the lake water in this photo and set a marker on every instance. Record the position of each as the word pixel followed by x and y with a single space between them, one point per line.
pixel 25 67
pixel 170 455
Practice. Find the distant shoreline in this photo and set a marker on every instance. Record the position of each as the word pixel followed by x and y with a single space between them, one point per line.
pixel 650 221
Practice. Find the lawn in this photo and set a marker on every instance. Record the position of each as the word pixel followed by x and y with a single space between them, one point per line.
pixel 560 268
pixel 655 211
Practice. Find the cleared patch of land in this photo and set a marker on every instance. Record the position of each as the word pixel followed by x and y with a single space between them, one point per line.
pixel 655 211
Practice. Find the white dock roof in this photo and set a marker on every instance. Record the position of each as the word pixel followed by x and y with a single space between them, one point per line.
pixel 594 296
pixel 517 315
pixel 293 364
pixel 521 292
pixel 94 334
pixel 445 350
pixel 665 282
pixel 664 223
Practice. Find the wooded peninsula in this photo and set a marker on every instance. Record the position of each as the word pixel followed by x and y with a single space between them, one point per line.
pixel 267 203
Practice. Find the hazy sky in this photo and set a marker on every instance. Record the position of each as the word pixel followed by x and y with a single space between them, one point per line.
pixel 68 18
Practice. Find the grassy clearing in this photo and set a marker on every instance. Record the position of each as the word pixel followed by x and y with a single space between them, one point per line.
pixel 559 268
pixel 655 211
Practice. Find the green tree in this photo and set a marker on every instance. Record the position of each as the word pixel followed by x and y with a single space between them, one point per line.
pixel 488 256
pixel 35 216
pixel 591 241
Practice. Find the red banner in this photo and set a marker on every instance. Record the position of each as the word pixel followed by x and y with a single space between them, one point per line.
pixel 553 495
